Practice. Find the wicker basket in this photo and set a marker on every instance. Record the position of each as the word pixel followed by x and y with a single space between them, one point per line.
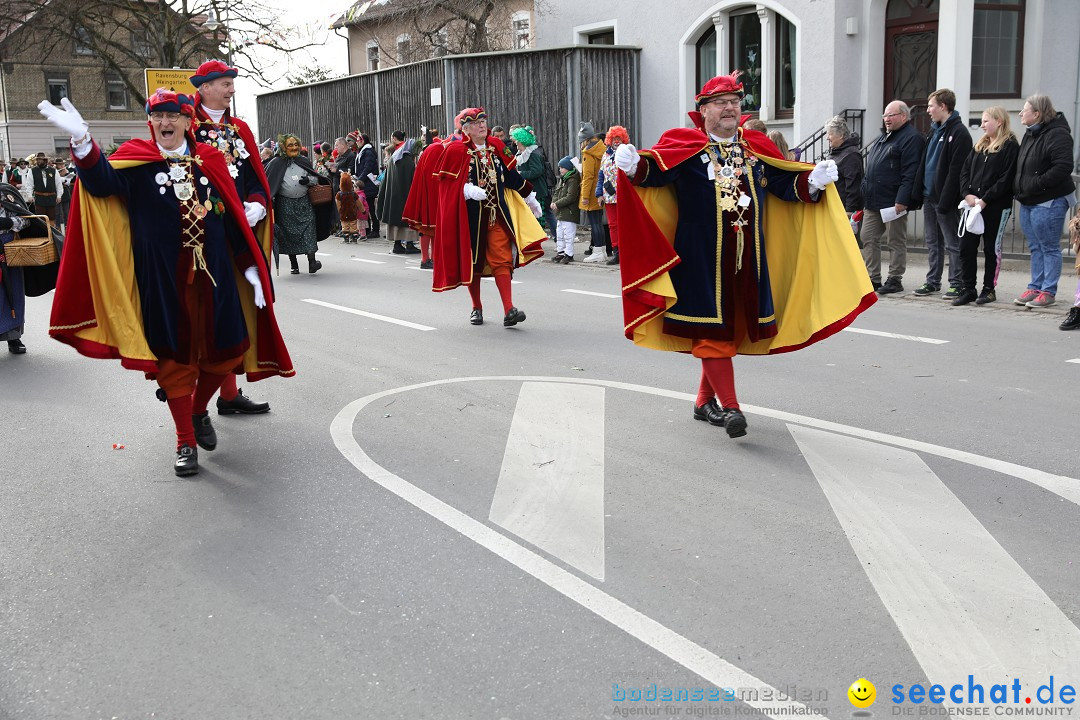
pixel 33 251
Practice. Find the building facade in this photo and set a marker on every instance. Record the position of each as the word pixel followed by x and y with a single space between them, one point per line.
pixel 807 60
pixel 387 33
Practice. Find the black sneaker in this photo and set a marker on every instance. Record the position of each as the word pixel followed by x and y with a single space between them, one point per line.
pixel 876 285
pixel 1072 320
pixel 734 422
pixel 952 293
pixel 986 296
pixel 926 289
pixel 892 285
pixel 242 405
pixel 965 297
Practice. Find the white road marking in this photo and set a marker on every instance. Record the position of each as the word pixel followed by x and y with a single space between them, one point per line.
pixel 551 484
pixel 384 253
pixel 682 650
pixel 491 279
pixel 913 338
pixel 594 294
pixel 373 316
pixel 959 599
pixel 373 262
pixel 324 254
pixel 1077 361
pixel 417 267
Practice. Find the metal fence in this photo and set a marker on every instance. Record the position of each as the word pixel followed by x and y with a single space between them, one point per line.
pixel 552 89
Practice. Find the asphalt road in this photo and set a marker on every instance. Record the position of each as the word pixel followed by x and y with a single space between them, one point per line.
pixel 480 522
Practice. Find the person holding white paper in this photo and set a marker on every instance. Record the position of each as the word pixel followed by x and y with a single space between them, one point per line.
pixel 891 169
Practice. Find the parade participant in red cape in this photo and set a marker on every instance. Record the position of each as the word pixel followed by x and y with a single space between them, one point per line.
pixel 699 274
pixel 484 225
pixel 215 125
pixel 161 270
pixel 421 208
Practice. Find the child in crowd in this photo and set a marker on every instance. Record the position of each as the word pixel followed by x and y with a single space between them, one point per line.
pixel 564 202
pixel 352 209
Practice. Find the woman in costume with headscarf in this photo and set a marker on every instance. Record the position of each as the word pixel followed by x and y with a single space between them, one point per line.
pixel 299 225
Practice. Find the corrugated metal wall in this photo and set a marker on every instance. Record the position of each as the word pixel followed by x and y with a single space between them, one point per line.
pixel 552 90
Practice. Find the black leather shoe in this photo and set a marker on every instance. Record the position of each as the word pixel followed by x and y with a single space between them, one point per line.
pixel 295 271
pixel 411 249
pixel 204 431
pixel 709 412
pixel 614 259
pixel 513 317
pixel 242 405
pixel 427 265
pixel 16 347
pixel 476 317
pixel 187 461
pixel 1072 320
pixel 399 249
pixel 734 422
pixel 314 267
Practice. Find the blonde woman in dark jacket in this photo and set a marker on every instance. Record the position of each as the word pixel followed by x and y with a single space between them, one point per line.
pixel 986 181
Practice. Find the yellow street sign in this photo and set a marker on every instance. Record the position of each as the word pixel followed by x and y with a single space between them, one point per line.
pixel 174 79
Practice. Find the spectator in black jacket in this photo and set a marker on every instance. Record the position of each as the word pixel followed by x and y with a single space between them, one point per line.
pixel 1044 189
pixel 889 182
pixel 947 149
pixel 986 181
pixel 846 151
pixel 367 169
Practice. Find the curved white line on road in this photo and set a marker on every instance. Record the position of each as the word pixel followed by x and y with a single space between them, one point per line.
pixel 682 650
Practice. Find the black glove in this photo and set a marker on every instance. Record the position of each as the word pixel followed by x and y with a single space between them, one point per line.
pixel 305 180
pixel 6 223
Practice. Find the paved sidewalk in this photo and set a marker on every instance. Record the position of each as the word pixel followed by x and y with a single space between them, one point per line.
pixel 1013 280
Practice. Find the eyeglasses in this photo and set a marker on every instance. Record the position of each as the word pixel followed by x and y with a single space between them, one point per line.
pixel 886 116
pixel 726 103
pixel 159 116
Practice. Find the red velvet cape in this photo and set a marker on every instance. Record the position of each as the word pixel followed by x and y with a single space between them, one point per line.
pixel 73 306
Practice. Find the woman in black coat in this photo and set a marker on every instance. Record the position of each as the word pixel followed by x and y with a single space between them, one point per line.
pixel 367 168
pixel 986 180
pixel 846 151
pixel 298 224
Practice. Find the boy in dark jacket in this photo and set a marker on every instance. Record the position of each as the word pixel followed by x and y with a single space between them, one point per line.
pixel 938 185
pixel 564 202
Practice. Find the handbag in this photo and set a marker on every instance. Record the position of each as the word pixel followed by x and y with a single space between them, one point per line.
pixel 32 251
pixel 319 194
pixel 971 220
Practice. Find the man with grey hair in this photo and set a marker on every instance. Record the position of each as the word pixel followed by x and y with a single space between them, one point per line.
pixel 892 167
pixel 346 156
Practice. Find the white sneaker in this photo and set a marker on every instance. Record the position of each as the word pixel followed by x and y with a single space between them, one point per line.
pixel 596 256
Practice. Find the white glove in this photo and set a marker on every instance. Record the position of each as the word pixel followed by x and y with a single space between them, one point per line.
pixel 69 120
pixel 626 158
pixel 475 192
pixel 824 173
pixel 252 275
pixel 537 211
pixel 254 212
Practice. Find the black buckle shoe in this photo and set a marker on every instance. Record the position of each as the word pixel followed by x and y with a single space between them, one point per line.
pixel 187 461
pixel 476 317
pixel 16 347
pixel 513 317
pixel 241 404
pixel 205 434
pixel 709 412
pixel 734 422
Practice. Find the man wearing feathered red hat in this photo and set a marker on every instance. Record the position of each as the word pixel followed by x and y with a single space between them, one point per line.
pixel 484 225
pixel 161 270
pixel 215 125
pixel 699 274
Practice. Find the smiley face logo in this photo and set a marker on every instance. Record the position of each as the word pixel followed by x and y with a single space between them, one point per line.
pixel 862 693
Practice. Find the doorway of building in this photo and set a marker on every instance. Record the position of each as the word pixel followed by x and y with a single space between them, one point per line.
pixel 911 42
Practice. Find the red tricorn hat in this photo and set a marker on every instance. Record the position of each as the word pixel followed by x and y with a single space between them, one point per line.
pixel 469 115
pixel 212 70
pixel 168 101
pixel 721 85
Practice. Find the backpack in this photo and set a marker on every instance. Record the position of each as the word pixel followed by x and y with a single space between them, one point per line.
pixel 549 172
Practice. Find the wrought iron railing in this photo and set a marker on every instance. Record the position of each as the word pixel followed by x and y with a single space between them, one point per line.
pixel 816 147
